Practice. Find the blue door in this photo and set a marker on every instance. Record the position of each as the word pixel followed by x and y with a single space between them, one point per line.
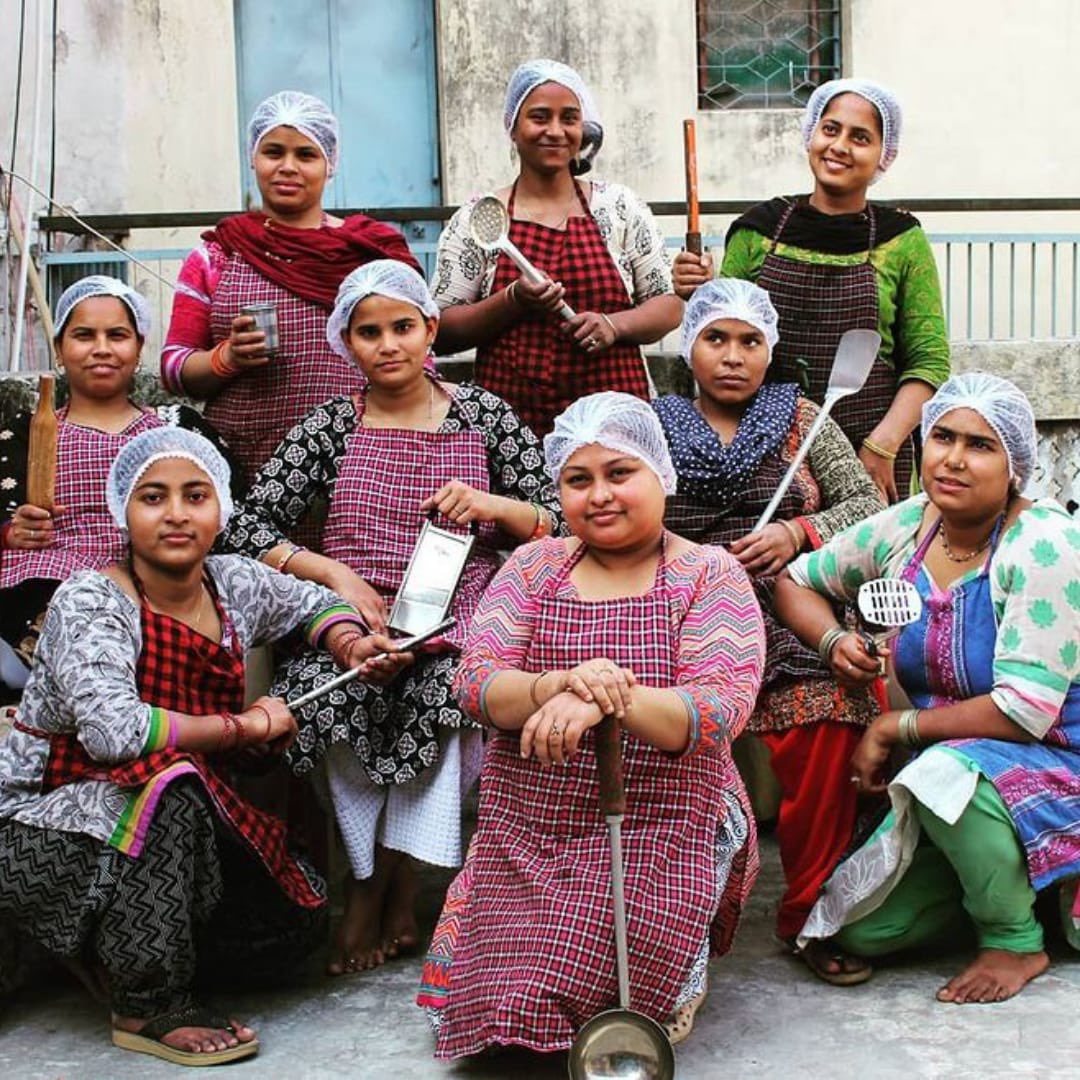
pixel 373 62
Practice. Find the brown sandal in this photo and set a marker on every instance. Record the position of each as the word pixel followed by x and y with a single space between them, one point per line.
pixel 817 955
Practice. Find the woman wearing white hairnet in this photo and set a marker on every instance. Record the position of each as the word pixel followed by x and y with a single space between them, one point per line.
pixel 731 447
pixel 289 253
pixel 393 762
pixel 989 812
pixel 101 326
pixel 123 850
pixel 596 243
pixel 624 619
pixel 833 261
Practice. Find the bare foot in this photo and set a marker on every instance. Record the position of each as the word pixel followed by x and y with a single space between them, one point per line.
pixel 359 944
pixel 400 932
pixel 994 975
pixel 195 1040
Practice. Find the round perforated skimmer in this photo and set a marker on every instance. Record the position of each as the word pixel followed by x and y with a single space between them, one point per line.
pixel 489 222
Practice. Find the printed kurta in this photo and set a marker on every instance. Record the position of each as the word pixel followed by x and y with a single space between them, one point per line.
pixel 524 953
pixel 1010 629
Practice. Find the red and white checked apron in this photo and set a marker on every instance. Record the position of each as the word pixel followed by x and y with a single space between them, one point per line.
pixel 86 536
pixel 255 410
pixel 375 517
pixel 535 956
pixel 534 366
pixel 817 303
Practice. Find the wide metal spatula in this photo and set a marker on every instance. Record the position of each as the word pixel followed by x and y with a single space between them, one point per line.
pixel 855 356
pixel 489 226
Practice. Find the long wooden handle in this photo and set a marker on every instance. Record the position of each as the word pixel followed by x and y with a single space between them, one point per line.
pixel 41 458
pixel 609 767
pixel 693 216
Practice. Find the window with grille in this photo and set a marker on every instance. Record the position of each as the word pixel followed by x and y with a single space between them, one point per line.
pixel 765 54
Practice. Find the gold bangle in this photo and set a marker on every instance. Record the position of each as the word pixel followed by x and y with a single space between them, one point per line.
pixel 614 328
pixel 511 294
pixel 793 533
pixel 532 689
pixel 880 451
pixel 294 549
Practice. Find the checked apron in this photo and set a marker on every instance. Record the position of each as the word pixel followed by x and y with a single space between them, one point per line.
pixel 372 527
pixel 181 670
pixel 86 535
pixel 817 303
pixel 255 410
pixel 534 366
pixel 535 958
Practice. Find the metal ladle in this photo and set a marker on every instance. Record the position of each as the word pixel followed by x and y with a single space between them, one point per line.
pixel 489 226
pixel 618 1042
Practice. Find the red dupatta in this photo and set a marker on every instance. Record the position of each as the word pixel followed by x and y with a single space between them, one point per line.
pixel 311 263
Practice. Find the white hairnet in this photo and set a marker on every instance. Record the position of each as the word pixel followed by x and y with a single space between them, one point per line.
pixel 728 298
pixel 307 114
pixel 888 108
pixel 616 421
pixel 155 445
pixel 380 277
pixel 1001 404
pixel 100 285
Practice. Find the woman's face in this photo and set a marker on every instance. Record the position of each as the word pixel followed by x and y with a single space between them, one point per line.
pixel 845 149
pixel 291 171
pixel 612 500
pixel 390 340
pixel 547 132
pixel 729 360
pixel 99 349
pixel 173 515
pixel 965 471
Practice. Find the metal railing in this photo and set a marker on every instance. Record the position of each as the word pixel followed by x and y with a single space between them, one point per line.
pixel 996 285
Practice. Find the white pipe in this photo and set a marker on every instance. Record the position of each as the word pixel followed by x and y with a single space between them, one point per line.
pixel 28 221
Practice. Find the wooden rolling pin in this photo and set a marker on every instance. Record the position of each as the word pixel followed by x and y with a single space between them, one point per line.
pixel 41 467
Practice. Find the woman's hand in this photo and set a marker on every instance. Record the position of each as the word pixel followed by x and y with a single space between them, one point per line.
pixel 531 296
pixel 603 683
pixel 367 652
pixel 689 271
pixel 868 763
pixel 882 472
pixel 553 733
pixel 31 528
pixel 766 552
pixel 592 331
pixel 268 725
pixel 353 589
pixel 458 502
pixel 247 346
pixel 852 665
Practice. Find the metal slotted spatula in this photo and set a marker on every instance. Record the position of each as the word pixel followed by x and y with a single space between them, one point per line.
pixel 489 226
pixel 855 356
pixel 885 605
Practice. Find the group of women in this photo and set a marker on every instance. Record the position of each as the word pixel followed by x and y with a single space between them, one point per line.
pixel 617 572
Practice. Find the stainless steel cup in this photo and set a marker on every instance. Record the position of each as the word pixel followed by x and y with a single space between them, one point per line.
pixel 265 316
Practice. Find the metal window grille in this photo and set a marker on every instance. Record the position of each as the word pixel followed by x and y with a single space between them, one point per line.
pixel 765 54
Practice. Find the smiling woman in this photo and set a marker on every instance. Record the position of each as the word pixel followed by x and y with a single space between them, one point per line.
pixel 101 325
pixel 832 261
pixel 596 244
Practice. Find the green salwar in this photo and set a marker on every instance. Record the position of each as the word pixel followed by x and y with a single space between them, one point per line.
pixel 965 880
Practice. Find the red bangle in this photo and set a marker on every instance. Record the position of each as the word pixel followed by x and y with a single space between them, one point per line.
pixel 221 365
pixel 241 737
pixel 227 718
pixel 266 712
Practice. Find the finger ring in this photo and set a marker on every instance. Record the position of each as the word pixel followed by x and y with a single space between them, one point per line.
pixel 555 730
pixel 590 343
pixel 854 779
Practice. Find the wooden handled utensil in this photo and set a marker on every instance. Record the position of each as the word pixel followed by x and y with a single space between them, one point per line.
pixel 693 217
pixel 41 465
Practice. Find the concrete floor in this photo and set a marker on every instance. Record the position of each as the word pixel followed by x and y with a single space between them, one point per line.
pixel 766 1016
